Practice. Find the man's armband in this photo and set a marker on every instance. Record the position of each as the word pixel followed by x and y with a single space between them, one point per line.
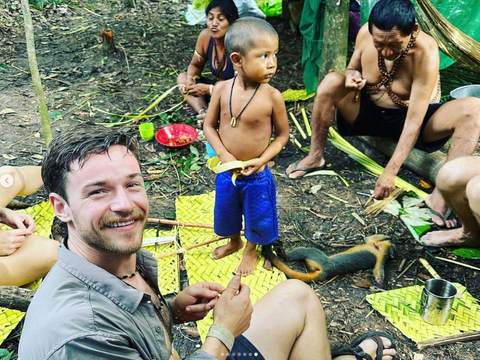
pixel 223 334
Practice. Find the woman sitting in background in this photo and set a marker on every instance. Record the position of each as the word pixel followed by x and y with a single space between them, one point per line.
pixel 209 48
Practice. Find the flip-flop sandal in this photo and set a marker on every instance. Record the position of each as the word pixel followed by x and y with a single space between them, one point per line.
pixel 359 353
pixel 444 218
pixel 304 169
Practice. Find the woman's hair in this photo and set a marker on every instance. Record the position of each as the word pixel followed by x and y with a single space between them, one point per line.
pixel 242 34
pixel 389 14
pixel 227 8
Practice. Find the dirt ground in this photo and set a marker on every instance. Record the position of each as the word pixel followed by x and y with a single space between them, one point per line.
pixel 153 44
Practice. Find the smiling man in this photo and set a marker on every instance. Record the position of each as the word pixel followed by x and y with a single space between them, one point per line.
pixel 391 88
pixel 101 299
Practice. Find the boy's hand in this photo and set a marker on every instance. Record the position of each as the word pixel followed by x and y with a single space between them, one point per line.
pixel 251 167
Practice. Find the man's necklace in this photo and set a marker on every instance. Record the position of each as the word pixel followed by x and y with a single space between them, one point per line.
pixel 128 276
pixel 388 76
pixel 233 121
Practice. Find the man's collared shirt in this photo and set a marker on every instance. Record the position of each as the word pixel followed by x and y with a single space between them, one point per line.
pixel 82 312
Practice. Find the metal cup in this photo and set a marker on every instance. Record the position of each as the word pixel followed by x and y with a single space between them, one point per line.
pixel 436 301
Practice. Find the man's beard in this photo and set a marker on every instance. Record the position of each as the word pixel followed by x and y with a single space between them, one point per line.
pixel 99 241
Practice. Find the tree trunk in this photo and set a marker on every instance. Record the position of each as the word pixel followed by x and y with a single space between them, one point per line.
pixel 37 82
pixel 15 298
pixel 335 37
pixel 422 163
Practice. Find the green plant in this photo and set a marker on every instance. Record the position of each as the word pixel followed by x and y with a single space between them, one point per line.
pixel 174 118
pixel 39 4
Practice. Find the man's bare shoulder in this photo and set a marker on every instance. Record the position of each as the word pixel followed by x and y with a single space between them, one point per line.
pixel 426 43
pixel 363 35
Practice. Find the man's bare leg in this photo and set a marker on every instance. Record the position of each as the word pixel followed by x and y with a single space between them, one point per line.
pixel 461 119
pixel 331 94
pixel 458 181
pixel 236 243
pixel 305 337
pixel 249 259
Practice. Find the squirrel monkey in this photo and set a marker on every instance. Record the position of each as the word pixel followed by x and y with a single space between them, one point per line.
pixel 372 254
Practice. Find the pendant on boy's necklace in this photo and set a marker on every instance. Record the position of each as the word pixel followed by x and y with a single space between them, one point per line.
pixel 233 122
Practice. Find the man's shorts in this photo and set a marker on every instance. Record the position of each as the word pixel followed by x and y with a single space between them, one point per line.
pixel 373 120
pixel 254 197
pixel 243 349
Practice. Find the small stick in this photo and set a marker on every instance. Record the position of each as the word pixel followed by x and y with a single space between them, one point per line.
pixel 182 250
pixel 406 269
pixel 458 263
pixel 430 269
pixel 402 264
pixel 180 223
pixel 368 201
pixel 451 339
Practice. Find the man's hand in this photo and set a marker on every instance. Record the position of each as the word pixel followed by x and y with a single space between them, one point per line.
pixel 354 80
pixel 18 220
pixel 252 167
pixel 196 301
pixel 384 185
pixel 234 308
pixel 11 240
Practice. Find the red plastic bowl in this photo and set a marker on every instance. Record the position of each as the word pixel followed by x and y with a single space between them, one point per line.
pixel 176 135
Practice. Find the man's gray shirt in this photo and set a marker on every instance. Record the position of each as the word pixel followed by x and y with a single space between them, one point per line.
pixel 83 312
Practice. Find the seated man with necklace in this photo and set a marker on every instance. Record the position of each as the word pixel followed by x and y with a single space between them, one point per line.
pixel 391 88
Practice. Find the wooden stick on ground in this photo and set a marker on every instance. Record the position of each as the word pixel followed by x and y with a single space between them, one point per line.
pixel 451 339
pixel 189 247
pixel 179 223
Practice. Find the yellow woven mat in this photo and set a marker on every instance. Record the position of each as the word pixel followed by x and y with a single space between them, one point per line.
pixel 401 307
pixel 199 263
pixel 43 215
pixel 168 271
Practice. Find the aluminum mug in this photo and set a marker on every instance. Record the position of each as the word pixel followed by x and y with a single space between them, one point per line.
pixel 436 301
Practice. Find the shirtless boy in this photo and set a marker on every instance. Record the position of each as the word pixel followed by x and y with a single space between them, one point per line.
pixel 242 113
pixel 391 88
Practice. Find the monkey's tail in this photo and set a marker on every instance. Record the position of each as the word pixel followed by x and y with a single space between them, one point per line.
pixel 307 277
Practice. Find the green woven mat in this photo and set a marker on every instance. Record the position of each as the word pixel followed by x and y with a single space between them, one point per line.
pixel 199 263
pixel 401 307
pixel 168 271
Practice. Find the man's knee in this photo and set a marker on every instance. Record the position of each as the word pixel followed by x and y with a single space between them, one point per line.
pixel 455 174
pixel 473 192
pixel 470 108
pixel 298 292
pixel 451 174
pixel 330 83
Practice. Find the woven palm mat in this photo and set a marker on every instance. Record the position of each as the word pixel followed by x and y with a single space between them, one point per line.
pixel 199 262
pixel 401 307
pixel 168 271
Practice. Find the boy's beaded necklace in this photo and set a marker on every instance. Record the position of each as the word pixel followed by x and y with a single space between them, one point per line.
pixel 233 121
